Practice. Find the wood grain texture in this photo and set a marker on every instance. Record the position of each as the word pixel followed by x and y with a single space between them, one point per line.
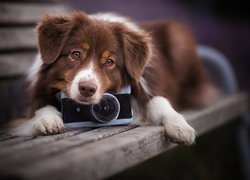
pixel 102 156
pixel 14 143
pixel 39 148
pixel 223 111
pixel 16 63
pixel 28 13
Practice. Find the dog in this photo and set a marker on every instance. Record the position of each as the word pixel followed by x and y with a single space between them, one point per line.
pixel 88 55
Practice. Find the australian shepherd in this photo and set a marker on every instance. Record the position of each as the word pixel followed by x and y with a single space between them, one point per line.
pixel 88 55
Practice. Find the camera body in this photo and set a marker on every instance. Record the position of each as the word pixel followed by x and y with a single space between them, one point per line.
pixel 113 109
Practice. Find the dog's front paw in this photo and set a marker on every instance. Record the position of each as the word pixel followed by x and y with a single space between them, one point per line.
pixel 47 121
pixel 48 125
pixel 178 130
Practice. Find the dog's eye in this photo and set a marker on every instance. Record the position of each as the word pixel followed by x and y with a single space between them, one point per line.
pixel 110 62
pixel 76 54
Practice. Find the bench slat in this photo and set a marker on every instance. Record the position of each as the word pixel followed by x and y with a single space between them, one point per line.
pixel 40 149
pixel 13 144
pixel 105 157
pixel 13 141
pixel 222 112
pixel 28 13
pixel 17 38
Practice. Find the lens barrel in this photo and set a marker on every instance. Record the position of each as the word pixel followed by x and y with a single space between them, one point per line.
pixel 107 110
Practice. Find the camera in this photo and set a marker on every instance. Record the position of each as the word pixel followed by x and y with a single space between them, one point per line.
pixel 113 109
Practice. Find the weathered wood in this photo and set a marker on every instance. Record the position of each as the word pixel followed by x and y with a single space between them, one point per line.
pixel 28 13
pixel 223 111
pixel 106 156
pixel 38 150
pixel 86 162
pixel 17 38
pixel 15 63
pixel 13 143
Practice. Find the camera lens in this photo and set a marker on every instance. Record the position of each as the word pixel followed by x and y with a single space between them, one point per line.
pixel 108 109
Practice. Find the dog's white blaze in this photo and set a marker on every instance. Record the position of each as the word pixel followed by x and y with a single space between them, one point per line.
pixel 87 74
pixel 159 111
pixel 111 17
pixel 32 73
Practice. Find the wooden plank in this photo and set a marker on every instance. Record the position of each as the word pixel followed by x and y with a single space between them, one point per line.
pixel 86 162
pixel 14 141
pixel 225 110
pixel 28 13
pixel 108 156
pixel 15 63
pixel 17 38
pixel 18 143
pixel 38 150
pixel 4 136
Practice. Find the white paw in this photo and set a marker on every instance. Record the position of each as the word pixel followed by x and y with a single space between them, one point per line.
pixel 178 130
pixel 47 121
pixel 48 125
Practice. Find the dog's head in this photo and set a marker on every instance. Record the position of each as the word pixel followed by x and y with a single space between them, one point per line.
pixel 85 56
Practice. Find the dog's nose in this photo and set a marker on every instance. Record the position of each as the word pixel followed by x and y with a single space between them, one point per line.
pixel 87 89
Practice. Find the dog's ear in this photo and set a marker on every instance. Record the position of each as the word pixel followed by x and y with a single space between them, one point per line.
pixel 52 34
pixel 137 52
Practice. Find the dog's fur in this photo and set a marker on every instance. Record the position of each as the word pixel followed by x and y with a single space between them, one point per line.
pixel 86 56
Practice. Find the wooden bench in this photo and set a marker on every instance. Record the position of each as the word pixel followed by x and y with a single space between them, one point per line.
pixel 83 153
pixel 103 152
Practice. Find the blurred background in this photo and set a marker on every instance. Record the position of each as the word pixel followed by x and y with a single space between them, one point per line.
pixel 221 24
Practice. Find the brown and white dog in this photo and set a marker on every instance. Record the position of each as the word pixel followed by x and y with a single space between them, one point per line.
pixel 88 55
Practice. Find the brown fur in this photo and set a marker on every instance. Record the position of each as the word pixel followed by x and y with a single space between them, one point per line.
pixel 177 72
pixel 164 55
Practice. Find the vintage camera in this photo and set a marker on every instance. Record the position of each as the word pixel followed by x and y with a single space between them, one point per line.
pixel 113 109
